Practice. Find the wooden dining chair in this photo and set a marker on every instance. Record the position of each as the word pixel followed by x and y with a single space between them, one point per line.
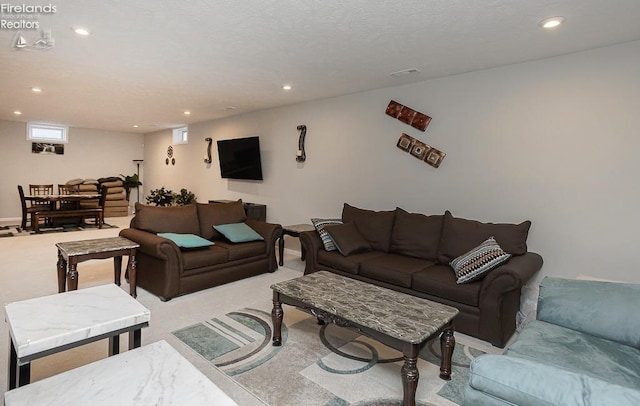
pixel 68 204
pixel 27 209
pixel 40 190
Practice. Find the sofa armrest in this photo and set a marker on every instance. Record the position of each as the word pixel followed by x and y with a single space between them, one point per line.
pixel 603 309
pixel 311 244
pixel 152 245
pixel 270 232
pixel 500 296
pixel 521 381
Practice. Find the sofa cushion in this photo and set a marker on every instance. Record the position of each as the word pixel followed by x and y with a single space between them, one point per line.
pixel 393 268
pixel 461 235
pixel 579 352
pixel 350 264
pixel 218 213
pixel 238 232
pixel 474 265
pixel 440 281
pixel 209 256
pixel 319 225
pixel 186 240
pixel 416 235
pixel 177 219
pixel 346 238
pixel 375 226
pixel 244 250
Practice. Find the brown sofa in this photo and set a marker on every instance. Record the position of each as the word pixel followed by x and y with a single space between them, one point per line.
pixel 411 252
pixel 167 271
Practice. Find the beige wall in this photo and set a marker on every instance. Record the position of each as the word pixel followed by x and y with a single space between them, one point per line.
pixel 554 141
pixel 89 154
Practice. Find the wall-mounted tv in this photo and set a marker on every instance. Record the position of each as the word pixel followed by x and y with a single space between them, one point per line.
pixel 240 158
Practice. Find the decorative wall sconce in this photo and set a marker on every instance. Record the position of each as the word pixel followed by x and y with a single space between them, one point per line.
pixel 207 160
pixel 301 156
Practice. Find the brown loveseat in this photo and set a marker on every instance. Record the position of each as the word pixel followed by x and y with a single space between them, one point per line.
pixel 167 271
pixel 411 252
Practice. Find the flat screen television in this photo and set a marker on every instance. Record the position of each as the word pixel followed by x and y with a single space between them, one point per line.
pixel 240 158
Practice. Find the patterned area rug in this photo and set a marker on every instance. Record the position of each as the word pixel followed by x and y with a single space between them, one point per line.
pixel 16 231
pixel 320 365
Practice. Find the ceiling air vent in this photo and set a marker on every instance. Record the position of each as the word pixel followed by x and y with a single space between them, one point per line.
pixel 405 72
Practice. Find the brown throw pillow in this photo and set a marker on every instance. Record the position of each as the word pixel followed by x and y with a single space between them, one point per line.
pixel 461 235
pixel 347 239
pixel 215 214
pixel 375 226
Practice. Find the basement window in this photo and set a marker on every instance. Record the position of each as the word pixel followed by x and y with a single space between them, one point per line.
pixel 180 135
pixel 47 133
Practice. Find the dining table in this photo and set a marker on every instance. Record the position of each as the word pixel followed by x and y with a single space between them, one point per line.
pixel 57 208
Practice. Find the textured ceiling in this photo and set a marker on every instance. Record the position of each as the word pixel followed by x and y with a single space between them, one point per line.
pixel 147 60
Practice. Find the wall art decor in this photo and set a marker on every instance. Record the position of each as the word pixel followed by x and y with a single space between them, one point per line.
pixel 420 150
pixel 42 148
pixel 207 160
pixel 408 115
pixel 169 155
pixel 301 155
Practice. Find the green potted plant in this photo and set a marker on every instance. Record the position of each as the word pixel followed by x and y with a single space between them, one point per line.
pixel 160 197
pixel 184 197
pixel 130 182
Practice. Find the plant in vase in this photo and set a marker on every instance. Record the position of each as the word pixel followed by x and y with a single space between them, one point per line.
pixel 161 197
pixel 184 197
pixel 130 182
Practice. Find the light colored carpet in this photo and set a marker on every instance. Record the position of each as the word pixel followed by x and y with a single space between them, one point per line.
pixel 29 270
pixel 321 365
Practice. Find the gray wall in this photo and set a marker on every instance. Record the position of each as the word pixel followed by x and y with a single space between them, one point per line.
pixel 88 154
pixel 553 141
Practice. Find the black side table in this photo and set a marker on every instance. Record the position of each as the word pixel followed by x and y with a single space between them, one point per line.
pixel 294 231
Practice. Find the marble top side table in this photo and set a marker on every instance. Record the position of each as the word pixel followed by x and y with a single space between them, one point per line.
pixel 294 231
pixel 50 324
pixel 401 321
pixel 155 374
pixel 72 252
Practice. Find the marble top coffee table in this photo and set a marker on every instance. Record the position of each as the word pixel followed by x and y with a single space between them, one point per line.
pixel 50 324
pixel 155 374
pixel 72 252
pixel 401 321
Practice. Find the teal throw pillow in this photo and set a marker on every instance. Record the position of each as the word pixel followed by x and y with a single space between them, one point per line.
pixel 238 232
pixel 186 240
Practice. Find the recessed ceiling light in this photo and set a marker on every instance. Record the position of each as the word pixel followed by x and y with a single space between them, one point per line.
pixel 187 113
pixel 135 126
pixel 551 22
pixel 81 31
pixel 17 112
pixel 286 87
pixel 36 90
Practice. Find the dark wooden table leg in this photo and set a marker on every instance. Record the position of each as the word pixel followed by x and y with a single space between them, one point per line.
pixel 281 248
pixel 135 338
pixel 13 366
pixel 24 374
pixel 410 374
pixel 276 317
pixel 62 273
pixel 131 270
pixel 72 274
pixel 447 345
pixel 114 345
pixel 117 269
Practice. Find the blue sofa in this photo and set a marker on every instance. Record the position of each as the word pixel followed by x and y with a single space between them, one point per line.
pixel 583 349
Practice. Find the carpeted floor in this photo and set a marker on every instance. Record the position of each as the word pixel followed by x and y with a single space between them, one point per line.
pixel 320 365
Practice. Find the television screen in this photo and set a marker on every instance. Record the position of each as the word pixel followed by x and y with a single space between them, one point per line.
pixel 240 158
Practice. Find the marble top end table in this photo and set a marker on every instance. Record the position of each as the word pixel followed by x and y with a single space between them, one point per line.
pixel 72 252
pixel 50 324
pixel 155 374
pixel 401 321
pixel 294 231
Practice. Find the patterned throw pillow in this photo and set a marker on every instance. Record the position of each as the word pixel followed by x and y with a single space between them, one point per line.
pixel 319 224
pixel 474 264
